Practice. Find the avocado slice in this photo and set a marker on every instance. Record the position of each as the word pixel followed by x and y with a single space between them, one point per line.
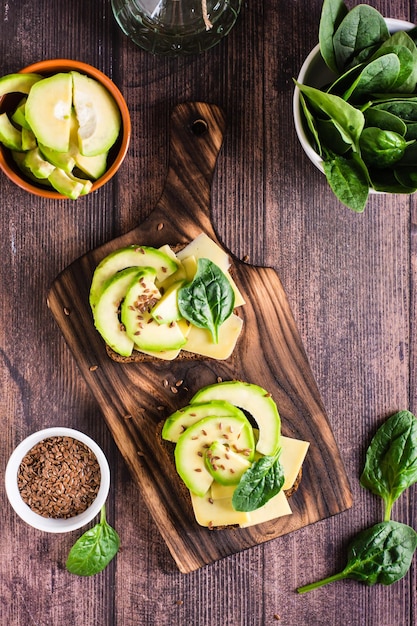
pixel 166 309
pixel 106 313
pixel 130 256
pixel 19 116
pixel 65 184
pixel 234 431
pixel 48 111
pixel 226 466
pixel 98 115
pixel 28 140
pixel 37 164
pixel 176 423
pixel 140 325
pixel 18 83
pixel 10 136
pixel 256 401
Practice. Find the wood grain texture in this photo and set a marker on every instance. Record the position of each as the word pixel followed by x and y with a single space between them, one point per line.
pixel 350 281
pixel 270 353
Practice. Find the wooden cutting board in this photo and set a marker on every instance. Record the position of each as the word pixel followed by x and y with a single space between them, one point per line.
pixel 135 397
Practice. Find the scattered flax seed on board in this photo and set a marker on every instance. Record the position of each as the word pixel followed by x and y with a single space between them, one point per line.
pixel 59 477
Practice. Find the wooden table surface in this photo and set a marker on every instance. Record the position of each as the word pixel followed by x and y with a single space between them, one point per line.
pixel 351 281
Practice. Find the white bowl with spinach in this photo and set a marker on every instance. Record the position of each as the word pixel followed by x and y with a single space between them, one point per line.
pixel 355 103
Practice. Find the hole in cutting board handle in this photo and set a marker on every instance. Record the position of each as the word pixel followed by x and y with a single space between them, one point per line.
pixel 199 127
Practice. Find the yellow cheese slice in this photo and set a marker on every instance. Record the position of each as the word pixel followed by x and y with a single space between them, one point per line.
pixel 190 266
pixel 202 247
pixel 200 341
pixel 209 512
pixel 278 506
pixel 219 492
pixel 292 457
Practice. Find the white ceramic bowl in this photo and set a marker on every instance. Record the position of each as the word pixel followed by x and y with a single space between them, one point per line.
pixel 315 73
pixel 54 525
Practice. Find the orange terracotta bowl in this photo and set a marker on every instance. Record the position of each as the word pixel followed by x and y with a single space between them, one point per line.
pixel 117 152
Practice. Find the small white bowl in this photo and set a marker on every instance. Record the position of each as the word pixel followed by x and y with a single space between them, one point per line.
pixel 47 524
pixel 315 73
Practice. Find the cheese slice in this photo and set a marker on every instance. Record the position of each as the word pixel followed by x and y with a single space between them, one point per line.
pixel 209 512
pixel 200 341
pixel 278 506
pixel 292 457
pixel 202 247
pixel 218 503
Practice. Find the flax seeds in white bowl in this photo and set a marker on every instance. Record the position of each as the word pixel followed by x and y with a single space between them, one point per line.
pixel 57 479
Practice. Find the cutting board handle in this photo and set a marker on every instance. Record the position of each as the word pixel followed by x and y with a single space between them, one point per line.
pixel 196 136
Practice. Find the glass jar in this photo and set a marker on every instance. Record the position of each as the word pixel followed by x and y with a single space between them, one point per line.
pixel 176 27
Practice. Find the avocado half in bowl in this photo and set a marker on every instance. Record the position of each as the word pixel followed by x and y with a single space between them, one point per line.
pixel 64 128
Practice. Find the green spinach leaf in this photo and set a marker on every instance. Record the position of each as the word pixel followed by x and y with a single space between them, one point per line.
pixel 332 13
pixel 381 148
pixel 385 120
pixel 94 550
pixel 403 40
pixel 349 120
pixel 261 482
pixel 348 180
pixel 361 29
pixel 391 459
pixel 378 75
pixel 208 300
pixel 380 554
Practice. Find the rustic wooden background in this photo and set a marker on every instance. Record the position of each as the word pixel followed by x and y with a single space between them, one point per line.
pixel 350 279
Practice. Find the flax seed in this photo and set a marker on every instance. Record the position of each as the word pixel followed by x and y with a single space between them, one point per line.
pixel 59 477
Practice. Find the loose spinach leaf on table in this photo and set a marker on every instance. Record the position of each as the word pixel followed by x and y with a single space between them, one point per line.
pixel 208 300
pixel 380 554
pixel 94 550
pixel 391 459
pixel 261 482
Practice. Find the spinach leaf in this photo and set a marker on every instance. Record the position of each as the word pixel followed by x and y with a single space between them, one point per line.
pixel 380 554
pixel 208 300
pixel 332 13
pixel 330 136
pixel 406 176
pixel 311 124
pixel 348 180
pixel 261 482
pixel 400 40
pixel 405 108
pixel 377 75
pixel 381 148
pixel 391 459
pixel 362 28
pixel 349 120
pixel 385 180
pixel 385 120
pixel 94 550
